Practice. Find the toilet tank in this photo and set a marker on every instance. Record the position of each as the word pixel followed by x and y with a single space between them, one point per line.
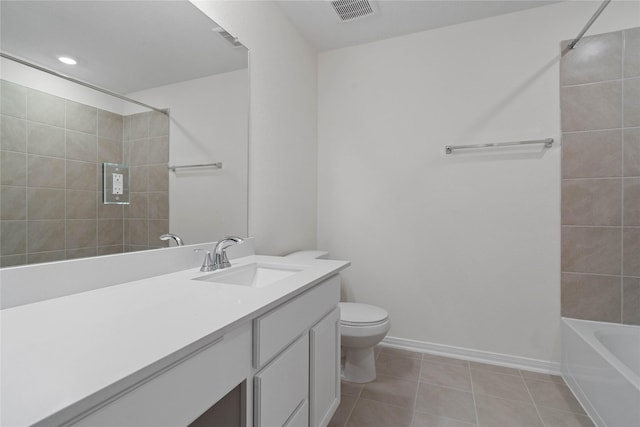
pixel 306 255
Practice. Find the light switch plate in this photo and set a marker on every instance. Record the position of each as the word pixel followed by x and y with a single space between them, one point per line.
pixel 115 184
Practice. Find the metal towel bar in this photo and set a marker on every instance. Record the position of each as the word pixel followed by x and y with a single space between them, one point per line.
pixel 217 165
pixel 547 143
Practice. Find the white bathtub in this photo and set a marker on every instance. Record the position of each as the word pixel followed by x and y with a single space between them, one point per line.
pixel 601 365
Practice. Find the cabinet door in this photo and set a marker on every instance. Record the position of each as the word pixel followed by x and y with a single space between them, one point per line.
pixel 282 385
pixel 324 394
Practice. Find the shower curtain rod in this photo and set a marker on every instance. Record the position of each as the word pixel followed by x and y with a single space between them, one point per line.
pixel 80 82
pixel 589 23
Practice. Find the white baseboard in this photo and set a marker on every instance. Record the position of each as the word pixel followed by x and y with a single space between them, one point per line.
pixel 507 360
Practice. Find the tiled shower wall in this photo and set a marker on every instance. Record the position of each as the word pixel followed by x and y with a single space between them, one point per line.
pixel 52 150
pixel 600 103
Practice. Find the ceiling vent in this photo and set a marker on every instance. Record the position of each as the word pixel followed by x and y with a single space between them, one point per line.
pixel 350 10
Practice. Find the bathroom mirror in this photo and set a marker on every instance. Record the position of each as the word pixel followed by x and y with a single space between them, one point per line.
pixel 56 134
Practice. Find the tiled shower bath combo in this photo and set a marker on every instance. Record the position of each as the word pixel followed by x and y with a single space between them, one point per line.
pixel 52 150
pixel 600 102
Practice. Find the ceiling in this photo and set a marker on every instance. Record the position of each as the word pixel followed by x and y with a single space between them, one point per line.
pixel 123 46
pixel 320 25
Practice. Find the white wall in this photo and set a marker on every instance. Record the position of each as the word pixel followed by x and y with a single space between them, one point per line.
pixel 283 115
pixel 209 122
pixel 462 250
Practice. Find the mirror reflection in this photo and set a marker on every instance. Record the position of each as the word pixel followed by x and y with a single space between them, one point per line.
pixel 57 134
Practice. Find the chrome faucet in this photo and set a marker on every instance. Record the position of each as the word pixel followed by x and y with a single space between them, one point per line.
pixel 175 237
pixel 220 259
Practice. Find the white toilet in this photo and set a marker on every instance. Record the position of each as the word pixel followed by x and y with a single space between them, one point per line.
pixel 362 326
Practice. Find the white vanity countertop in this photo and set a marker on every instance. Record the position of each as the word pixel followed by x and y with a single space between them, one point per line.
pixel 62 356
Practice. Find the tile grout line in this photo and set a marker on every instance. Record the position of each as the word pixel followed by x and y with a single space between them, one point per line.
pixel 415 397
pixel 532 399
pixel 473 394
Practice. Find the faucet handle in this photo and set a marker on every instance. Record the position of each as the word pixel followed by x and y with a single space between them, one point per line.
pixel 207 264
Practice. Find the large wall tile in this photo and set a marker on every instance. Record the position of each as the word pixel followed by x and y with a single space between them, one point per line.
pixel 139 232
pixel 45 172
pixel 13 134
pixel 13 168
pixel 592 154
pixel 591 250
pixel 38 257
pixel 139 152
pixel 631 251
pixel 631 300
pixel 139 207
pixel 45 108
pixel 82 146
pixel 14 99
pixel 158 227
pixel 81 204
pixel 597 58
pixel 592 106
pixel 13 203
pixel 82 233
pixel 632 202
pixel 631 152
pixel 139 179
pixel 632 52
pixel 108 211
pixel 158 124
pixel 45 236
pixel 631 102
pixel 109 151
pixel 81 253
pixel 139 126
pixel 46 203
pixel 14 237
pixel 159 205
pixel 158 178
pixel 82 175
pixel 158 150
pixel 591 297
pixel 110 232
pixel 82 118
pixel 12 260
pixel 110 125
pixel 592 202
pixel 45 140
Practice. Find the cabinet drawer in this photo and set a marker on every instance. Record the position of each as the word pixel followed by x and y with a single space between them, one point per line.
pixel 179 395
pixel 276 329
pixel 283 385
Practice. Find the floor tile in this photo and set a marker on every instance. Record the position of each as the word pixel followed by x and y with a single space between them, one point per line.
pixel 395 365
pixel 497 412
pixel 554 395
pixel 368 413
pixel 537 376
pixel 350 389
pixel 427 420
pixel 556 418
pixel 391 390
pixel 339 419
pixel 494 368
pixel 444 359
pixel 446 375
pixel 500 385
pixel 445 402
pixel 391 351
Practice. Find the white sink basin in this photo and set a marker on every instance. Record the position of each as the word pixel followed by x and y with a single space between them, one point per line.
pixel 256 275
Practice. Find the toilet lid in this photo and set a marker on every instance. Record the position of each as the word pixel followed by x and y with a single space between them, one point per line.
pixel 355 314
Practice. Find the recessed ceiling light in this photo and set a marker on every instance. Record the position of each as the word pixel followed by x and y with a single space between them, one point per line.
pixel 67 60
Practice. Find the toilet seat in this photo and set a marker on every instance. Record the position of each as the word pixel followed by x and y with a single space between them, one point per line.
pixel 362 315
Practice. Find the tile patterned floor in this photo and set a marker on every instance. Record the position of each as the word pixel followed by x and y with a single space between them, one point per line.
pixel 424 390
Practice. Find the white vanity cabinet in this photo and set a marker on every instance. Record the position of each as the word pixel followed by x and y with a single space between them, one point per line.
pixel 180 393
pixel 296 350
